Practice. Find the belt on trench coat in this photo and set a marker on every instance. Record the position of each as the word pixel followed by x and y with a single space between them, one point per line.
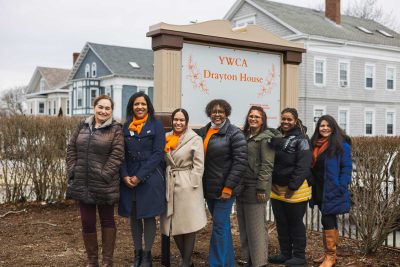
pixel 171 187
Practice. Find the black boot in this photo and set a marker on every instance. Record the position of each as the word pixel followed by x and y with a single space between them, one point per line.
pixel 285 253
pixel 138 258
pixel 147 259
pixel 299 253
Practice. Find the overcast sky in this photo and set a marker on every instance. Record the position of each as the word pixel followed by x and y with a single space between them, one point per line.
pixel 47 32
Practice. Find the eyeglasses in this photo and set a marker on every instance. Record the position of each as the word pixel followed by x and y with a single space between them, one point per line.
pixel 218 111
pixel 254 117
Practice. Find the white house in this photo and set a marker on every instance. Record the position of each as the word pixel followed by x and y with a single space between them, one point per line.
pixel 351 68
pixel 48 92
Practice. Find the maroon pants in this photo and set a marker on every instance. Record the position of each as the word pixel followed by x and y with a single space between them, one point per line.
pixel 88 216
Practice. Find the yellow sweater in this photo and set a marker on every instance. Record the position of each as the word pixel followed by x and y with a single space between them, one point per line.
pixel 300 195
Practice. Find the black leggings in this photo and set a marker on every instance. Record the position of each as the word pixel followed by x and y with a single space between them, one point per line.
pixel 329 221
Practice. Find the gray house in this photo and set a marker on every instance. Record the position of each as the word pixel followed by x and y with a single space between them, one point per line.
pixel 351 68
pixel 112 70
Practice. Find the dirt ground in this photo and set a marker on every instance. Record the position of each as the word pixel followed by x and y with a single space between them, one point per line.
pixel 49 235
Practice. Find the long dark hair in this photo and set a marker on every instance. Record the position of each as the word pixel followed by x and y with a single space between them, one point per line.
pixel 246 128
pixel 337 137
pixel 299 123
pixel 129 108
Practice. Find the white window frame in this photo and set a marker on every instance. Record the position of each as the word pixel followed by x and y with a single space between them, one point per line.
pixel 91 98
pixel 243 21
pixel 44 107
pixel 387 77
pixel 77 97
pixel 315 119
pixel 67 107
pixel 108 91
pixel 373 76
pixel 347 109
pixel 344 84
pixel 323 84
pixel 394 121
pixel 373 121
pixel 42 85
pixel 94 70
pixel 87 71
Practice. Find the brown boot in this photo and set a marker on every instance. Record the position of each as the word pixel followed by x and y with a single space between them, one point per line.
pixel 92 249
pixel 330 250
pixel 108 238
pixel 321 258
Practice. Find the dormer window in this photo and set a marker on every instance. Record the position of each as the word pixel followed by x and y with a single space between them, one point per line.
pixel 87 71
pixel 134 65
pixel 244 21
pixel 94 69
pixel 385 33
pixel 361 28
pixel 42 85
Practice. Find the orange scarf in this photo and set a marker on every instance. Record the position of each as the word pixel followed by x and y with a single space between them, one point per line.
pixel 319 147
pixel 210 132
pixel 172 142
pixel 137 125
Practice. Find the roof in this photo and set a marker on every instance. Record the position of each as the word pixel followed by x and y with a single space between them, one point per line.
pixel 313 22
pixel 117 59
pixel 54 77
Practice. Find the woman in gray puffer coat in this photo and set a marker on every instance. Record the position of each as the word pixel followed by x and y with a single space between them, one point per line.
pixel 94 155
pixel 252 201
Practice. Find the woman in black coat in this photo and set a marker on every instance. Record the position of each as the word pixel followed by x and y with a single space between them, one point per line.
pixel 225 150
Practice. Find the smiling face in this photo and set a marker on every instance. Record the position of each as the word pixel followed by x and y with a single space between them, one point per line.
pixel 102 111
pixel 140 108
pixel 179 123
pixel 255 120
pixel 324 129
pixel 288 122
pixel 218 115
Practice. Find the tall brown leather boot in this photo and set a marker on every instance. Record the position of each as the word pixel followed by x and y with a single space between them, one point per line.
pixel 92 249
pixel 108 239
pixel 330 251
pixel 321 258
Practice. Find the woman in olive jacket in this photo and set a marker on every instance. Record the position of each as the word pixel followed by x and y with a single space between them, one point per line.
pixel 94 155
pixel 251 203
pixel 225 150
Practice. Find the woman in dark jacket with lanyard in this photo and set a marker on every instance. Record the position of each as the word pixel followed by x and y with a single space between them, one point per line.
pixel 252 201
pixel 290 189
pixel 331 169
pixel 94 155
pixel 142 186
pixel 225 160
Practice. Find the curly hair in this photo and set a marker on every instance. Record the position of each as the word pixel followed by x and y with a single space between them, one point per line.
pixel 218 102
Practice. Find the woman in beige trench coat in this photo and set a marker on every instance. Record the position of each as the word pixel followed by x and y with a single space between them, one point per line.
pixel 185 213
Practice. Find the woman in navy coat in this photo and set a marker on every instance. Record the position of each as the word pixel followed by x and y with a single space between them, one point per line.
pixel 142 187
pixel 331 169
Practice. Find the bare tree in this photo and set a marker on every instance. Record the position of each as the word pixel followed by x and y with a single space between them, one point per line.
pixel 13 99
pixel 370 10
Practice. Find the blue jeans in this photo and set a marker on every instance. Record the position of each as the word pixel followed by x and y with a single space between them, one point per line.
pixel 221 252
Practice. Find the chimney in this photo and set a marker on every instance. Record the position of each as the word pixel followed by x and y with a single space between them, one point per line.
pixel 75 57
pixel 332 10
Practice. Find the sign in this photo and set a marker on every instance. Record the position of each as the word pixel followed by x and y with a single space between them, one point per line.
pixel 243 78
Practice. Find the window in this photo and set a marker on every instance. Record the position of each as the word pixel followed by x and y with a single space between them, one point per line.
pixel 369 118
pixel 369 76
pixel 244 21
pixel 344 68
pixel 385 33
pixel 42 85
pixel 390 120
pixel 390 78
pixel 134 65
pixel 361 28
pixel 54 107
pixel 94 92
pixel 318 112
pixel 108 91
pixel 41 108
pixel 87 70
pixel 67 104
pixel 94 69
pixel 319 71
pixel 79 97
pixel 343 119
